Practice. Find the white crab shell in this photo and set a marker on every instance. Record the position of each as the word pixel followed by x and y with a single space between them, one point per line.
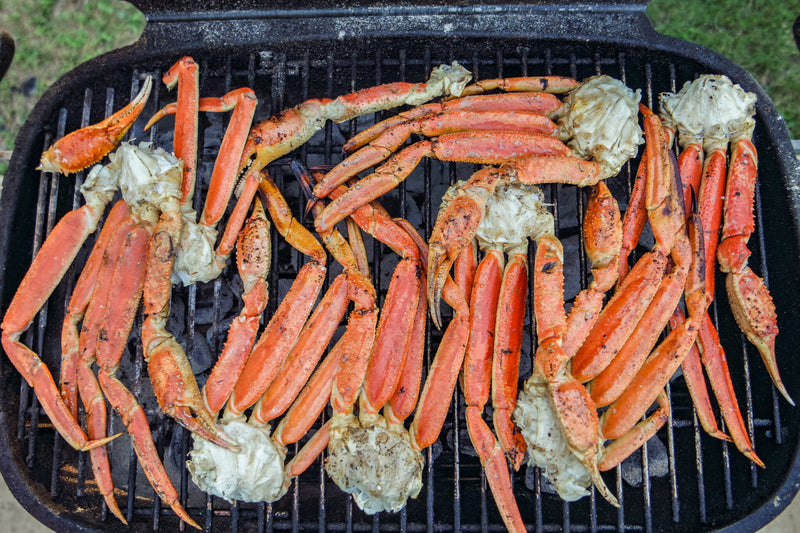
pixel 600 122
pixel 376 465
pixel 709 110
pixel 254 473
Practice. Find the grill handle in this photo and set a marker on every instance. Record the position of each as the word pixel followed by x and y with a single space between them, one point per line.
pixel 247 22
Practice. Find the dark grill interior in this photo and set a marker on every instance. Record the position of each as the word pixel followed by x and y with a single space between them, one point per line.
pixel 695 483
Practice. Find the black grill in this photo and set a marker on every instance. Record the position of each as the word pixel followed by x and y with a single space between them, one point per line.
pixel 696 483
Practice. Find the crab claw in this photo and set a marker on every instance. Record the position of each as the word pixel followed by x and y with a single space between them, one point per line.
pixel 89 145
pixel 460 214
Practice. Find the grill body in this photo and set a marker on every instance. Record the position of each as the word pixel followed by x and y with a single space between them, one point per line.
pixel 288 55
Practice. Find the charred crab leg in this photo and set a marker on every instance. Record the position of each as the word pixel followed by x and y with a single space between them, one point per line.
pixel 253 257
pixel 283 329
pixel 750 299
pixel 431 125
pixel 539 103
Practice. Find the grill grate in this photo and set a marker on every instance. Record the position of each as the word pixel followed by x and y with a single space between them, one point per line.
pixel 703 483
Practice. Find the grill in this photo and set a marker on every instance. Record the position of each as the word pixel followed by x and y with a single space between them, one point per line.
pixel 690 483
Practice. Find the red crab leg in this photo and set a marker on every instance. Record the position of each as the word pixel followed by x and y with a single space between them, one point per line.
pixel 506 353
pixel 305 354
pixel 184 145
pixel 627 410
pixel 406 394
pixel 443 373
pixel 634 221
pixel 88 145
pixel 602 236
pixel 284 327
pixel 120 309
pixel 572 404
pixel 81 295
pixel 223 178
pixel 47 269
pixel 466 147
pixel 539 103
pixel 478 379
pixel 432 125
pixel 710 351
pixel 392 338
pixel 620 371
pixel 94 309
pixel 623 312
pixel 253 261
pixel 751 302
pixel 690 165
pixel 171 374
pixel 636 437
pixel 550 84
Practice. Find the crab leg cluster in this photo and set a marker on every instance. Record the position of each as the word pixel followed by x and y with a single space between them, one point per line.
pixel 596 392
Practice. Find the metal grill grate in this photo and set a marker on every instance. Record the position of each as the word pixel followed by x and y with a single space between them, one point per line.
pixel 703 483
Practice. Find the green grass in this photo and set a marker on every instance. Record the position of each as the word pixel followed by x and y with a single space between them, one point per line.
pixel 54 36
pixel 755 34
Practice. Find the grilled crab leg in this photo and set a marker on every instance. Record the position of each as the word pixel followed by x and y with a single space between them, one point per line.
pixel 260 474
pixel 733 122
pixel 540 103
pixel 86 146
pixel 432 125
pixel 253 257
pixel 70 154
pixel 395 356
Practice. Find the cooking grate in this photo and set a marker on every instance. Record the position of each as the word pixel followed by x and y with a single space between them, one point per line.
pixel 702 484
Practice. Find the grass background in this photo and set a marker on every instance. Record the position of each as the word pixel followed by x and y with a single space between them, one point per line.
pixel 53 36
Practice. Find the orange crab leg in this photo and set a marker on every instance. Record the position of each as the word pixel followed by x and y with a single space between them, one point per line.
pixel 253 260
pixel 690 166
pixel 48 267
pixel 171 374
pixel 81 296
pixel 487 311
pixel 627 410
pixel 620 371
pixel 550 84
pixel 223 178
pixel 573 406
pixel 390 349
pixel 86 347
pixel 432 125
pixel 184 145
pixel 665 211
pixel 751 302
pixel 603 241
pixel 86 146
pixel 305 354
pixel 636 437
pixel 507 349
pixel 526 102
pixel 404 400
pixel 466 147
pixel 120 309
pixel 283 329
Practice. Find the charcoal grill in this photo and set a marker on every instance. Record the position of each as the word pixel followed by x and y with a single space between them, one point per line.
pixel 288 54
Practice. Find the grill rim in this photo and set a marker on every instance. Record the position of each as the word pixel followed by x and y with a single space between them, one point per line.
pixel 35 498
